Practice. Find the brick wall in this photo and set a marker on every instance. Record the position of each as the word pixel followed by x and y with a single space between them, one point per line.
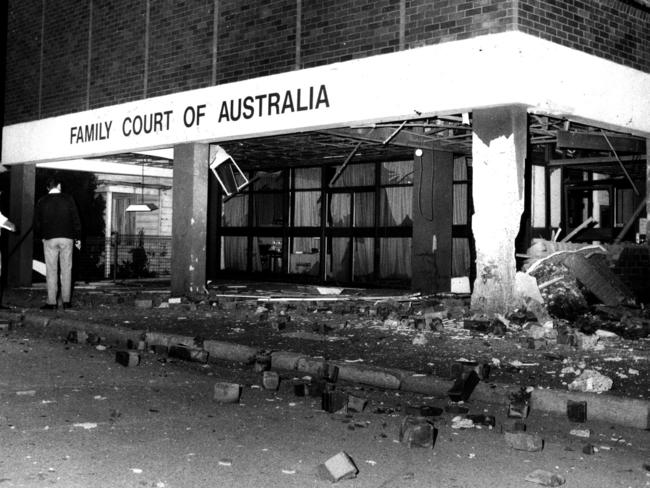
pixel 255 38
pixel 22 77
pixel 117 62
pixel 613 29
pixel 450 20
pixel 259 38
pixel 339 30
pixel 180 46
pixel 65 57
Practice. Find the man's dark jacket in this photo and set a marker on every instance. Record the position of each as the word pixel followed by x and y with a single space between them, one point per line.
pixel 56 215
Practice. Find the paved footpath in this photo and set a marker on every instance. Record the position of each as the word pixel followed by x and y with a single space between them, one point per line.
pixel 71 416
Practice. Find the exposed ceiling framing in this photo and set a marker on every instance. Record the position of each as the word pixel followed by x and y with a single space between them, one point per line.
pixel 573 145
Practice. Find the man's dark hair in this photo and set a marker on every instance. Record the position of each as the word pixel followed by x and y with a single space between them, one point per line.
pixel 52 183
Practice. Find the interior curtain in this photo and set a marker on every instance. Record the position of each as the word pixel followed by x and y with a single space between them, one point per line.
pixel 234 253
pixel 397 206
pixel 235 211
pixel 460 257
pixel 395 260
pixel 363 257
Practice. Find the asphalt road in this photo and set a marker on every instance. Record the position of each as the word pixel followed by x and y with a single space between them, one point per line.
pixel 71 416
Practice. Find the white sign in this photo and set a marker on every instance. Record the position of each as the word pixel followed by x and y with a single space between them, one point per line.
pixel 446 78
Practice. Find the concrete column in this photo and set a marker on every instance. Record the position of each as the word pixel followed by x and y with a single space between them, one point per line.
pixel 189 218
pixel 498 161
pixel 431 248
pixel 21 212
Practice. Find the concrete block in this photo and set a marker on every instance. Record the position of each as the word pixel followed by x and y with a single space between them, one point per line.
pixel 270 380
pixel 227 392
pixel 5 325
pixel 426 385
pixel 188 353
pixel 127 358
pixel 523 441
pixel 227 351
pixel 625 411
pixel 356 404
pixel 312 367
pixel 463 387
pixel 143 303
pixel 576 411
pixel 300 388
pixel 337 468
pixel 285 360
pixel 334 401
pixel 357 373
pixel 518 410
pixel 417 432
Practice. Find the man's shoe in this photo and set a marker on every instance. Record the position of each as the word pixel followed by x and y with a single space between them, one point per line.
pixel 48 306
pixel 67 305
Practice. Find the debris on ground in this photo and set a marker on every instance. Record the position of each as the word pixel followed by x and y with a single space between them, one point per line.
pixel 337 468
pixel 591 381
pixel 545 478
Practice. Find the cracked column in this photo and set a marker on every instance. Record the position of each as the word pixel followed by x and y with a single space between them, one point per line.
pixel 498 162
pixel 189 218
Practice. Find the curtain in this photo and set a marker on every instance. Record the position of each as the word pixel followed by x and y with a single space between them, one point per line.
pixel 395 258
pixel 363 258
pixel 396 206
pixel 234 253
pixel 340 259
pixel 235 212
pixel 460 258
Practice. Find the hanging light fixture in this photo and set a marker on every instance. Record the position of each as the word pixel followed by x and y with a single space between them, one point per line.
pixel 142 207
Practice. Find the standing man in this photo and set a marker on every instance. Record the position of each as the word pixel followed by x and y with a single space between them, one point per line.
pixel 57 223
pixel 4 224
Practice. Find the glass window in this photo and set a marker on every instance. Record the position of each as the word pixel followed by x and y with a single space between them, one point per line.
pixel 306 209
pixel 340 210
pixel 268 180
pixel 356 175
pixel 364 209
pixel 305 256
pixel 267 210
pixel 339 259
pixel 234 251
pixel 267 254
pixel 395 258
pixel 235 211
pixel 306 178
pixel 397 173
pixel 396 206
pixel 364 253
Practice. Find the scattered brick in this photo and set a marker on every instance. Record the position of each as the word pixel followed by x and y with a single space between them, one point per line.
pixel 227 392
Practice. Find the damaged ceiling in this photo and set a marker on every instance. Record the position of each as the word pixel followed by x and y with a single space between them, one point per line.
pixel 571 145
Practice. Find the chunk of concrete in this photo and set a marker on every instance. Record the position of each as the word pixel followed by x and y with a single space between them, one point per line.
pixel 356 404
pixel 270 380
pixel 417 432
pixel 127 358
pixel 227 392
pixel 337 468
pixel 523 441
